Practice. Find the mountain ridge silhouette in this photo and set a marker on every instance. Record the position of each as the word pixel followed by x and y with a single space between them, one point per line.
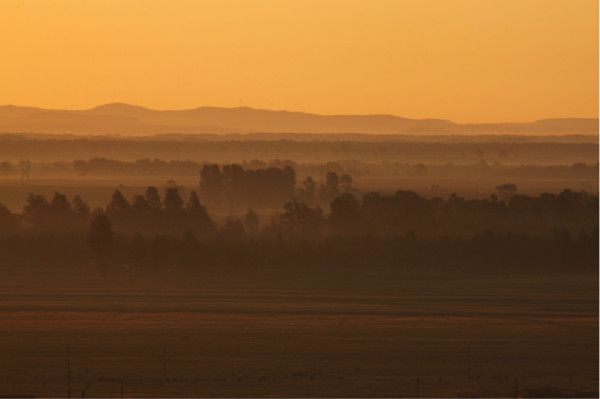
pixel 135 120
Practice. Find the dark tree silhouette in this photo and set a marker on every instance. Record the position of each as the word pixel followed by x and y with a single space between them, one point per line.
pixel 101 238
pixel 331 188
pixel 198 219
pixel 173 201
pixel 118 204
pixel 299 221
pixel 346 183
pixel 60 205
pixel 9 222
pixel 211 183
pixel 139 204
pixel 310 190
pixel 80 207
pixel 233 230
pixel 36 211
pixel 506 191
pixel 251 223
pixel 153 198
pixel 193 205
pixel 345 215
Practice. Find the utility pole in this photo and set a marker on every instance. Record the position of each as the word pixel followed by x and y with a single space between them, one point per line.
pixel 69 369
pixel 469 361
pixel 164 363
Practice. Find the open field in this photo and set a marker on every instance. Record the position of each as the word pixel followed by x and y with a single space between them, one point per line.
pixel 459 336
pixel 305 331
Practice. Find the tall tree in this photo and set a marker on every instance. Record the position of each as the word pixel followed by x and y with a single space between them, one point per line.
pixel 101 237
pixel 173 201
pixel 153 198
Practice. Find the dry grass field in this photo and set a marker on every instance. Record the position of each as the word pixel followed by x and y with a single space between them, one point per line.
pixel 457 336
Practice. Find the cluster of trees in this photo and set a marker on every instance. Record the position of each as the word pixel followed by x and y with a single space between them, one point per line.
pixel 332 187
pixel 373 215
pixel 406 212
pixel 148 213
pixel 232 186
pixel 58 214
pixel 558 230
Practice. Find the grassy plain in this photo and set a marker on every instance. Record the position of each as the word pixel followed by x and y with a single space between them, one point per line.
pixel 418 336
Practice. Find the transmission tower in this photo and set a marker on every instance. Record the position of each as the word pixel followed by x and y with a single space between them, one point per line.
pixel 25 171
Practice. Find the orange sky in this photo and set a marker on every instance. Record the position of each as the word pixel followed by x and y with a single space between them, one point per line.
pixel 465 60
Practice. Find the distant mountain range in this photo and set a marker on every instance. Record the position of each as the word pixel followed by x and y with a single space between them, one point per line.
pixel 125 119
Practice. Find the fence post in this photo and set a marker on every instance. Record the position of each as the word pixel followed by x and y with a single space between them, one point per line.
pixel 165 362
pixel 69 369
pixel 469 361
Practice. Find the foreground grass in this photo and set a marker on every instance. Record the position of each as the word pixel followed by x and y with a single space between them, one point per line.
pixel 455 336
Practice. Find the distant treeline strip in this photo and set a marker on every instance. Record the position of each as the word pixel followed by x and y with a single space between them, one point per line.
pixel 374 215
pixel 517 231
pixel 515 152
pixel 186 168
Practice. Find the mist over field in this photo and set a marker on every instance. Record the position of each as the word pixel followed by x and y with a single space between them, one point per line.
pixel 336 265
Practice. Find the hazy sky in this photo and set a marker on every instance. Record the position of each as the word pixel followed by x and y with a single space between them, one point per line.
pixel 465 60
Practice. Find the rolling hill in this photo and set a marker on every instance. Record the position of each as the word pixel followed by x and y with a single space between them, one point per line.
pixel 125 119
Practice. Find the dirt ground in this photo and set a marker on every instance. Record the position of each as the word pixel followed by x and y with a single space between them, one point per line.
pixel 502 336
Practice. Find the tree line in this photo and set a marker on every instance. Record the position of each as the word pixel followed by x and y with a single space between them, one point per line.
pixel 480 169
pixel 509 149
pixel 383 231
pixel 375 214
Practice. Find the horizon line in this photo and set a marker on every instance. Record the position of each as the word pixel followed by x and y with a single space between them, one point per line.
pixel 131 105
